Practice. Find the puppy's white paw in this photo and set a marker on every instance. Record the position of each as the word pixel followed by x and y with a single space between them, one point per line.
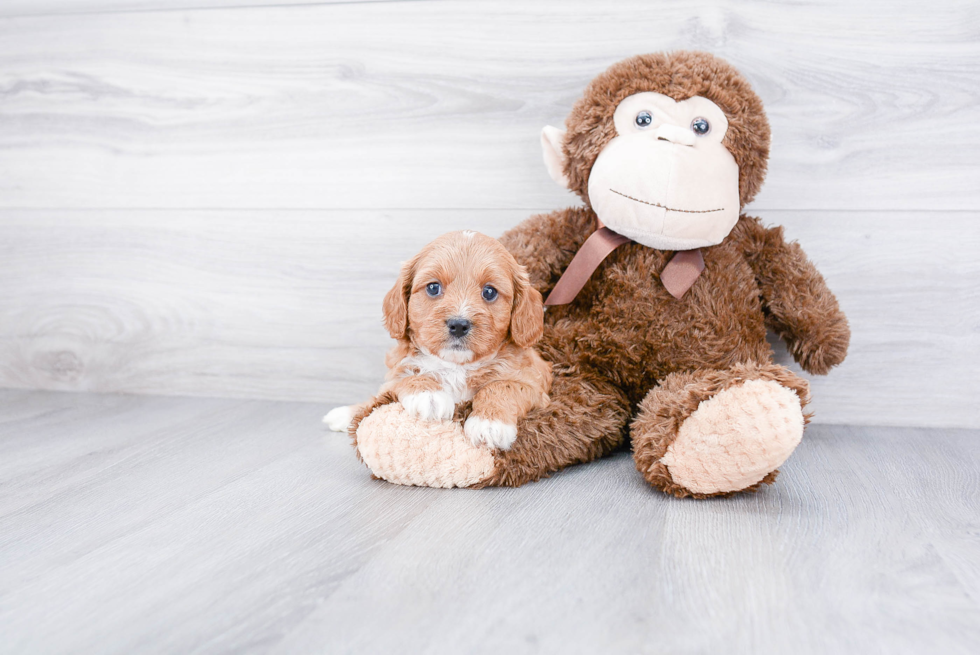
pixel 338 419
pixel 496 434
pixel 429 405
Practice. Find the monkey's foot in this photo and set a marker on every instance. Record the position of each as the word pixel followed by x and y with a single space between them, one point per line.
pixel 719 432
pixel 584 420
pixel 407 450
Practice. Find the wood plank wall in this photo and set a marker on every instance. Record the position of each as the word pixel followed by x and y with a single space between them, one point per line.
pixel 210 197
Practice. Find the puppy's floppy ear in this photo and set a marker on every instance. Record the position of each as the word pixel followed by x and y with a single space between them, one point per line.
pixel 527 317
pixel 395 306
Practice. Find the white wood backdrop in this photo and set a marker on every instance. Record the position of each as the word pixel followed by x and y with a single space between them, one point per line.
pixel 211 197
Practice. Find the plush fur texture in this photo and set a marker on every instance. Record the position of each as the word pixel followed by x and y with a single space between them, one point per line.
pixel 630 360
pixel 625 330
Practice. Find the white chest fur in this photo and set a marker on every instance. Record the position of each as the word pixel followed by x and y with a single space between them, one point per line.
pixel 452 376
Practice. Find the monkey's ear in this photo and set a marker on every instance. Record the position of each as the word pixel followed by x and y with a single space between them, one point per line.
pixel 554 155
pixel 395 306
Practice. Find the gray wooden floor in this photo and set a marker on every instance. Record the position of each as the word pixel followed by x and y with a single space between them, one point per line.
pixel 151 524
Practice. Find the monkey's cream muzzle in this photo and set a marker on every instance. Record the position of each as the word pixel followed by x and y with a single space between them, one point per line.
pixel 664 185
pixel 660 181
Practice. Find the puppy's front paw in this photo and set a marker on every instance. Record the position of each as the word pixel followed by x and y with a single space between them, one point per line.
pixel 496 434
pixel 429 405
pixel 338 419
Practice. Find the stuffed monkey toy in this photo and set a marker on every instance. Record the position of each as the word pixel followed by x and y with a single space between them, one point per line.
pixel 659 292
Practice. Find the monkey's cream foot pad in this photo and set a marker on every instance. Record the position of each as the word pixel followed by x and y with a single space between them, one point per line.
pixel 736 438
pixel 410 451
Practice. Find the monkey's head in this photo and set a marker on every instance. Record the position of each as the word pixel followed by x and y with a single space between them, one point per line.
pixel 665 148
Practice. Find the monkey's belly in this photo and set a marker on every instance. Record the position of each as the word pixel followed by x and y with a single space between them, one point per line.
pixel 640 337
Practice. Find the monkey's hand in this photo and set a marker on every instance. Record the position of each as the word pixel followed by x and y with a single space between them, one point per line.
pixel 820 342
pixel 799 306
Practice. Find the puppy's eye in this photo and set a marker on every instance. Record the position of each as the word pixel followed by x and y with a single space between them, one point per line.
pixel 489 293
pixel 700 126
pixel 643 119
pixel 433 289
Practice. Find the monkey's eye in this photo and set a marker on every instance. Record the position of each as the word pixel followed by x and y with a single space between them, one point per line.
pixel 489 293
pixel 643 119
pixel 700 126
pixel 433 289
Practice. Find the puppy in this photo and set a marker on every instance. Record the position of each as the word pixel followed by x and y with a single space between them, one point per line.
pixel 466 317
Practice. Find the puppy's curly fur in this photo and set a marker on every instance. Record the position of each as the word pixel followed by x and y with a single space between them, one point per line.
pixel 470 278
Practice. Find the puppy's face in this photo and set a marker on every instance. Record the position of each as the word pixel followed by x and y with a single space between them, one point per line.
pixel 462 297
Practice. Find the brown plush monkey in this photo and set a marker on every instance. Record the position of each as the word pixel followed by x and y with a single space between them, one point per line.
pixel 660 293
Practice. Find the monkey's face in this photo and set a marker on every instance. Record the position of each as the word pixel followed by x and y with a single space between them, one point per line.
pixel 666 148
pixel 666 180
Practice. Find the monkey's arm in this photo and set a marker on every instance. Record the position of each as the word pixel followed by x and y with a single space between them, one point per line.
pixel 546 243
pixel 799 306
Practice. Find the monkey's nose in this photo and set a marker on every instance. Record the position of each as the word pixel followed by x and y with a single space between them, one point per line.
pixel 675 134
pixel 458 327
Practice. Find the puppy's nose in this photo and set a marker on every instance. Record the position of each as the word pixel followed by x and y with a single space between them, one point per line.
pixel 458 327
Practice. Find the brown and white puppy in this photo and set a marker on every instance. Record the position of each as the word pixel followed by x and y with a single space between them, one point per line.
pixel 466 317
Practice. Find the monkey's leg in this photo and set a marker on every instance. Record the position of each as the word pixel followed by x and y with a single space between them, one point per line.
pixel 585 420
pixel 717 432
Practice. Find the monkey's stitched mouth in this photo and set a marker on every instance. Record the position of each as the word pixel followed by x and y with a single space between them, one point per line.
pixel 670 209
